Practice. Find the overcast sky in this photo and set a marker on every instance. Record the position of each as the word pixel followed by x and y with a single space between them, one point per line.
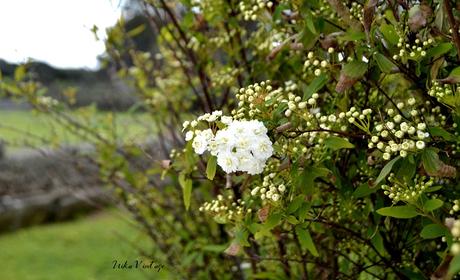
pixel 55 31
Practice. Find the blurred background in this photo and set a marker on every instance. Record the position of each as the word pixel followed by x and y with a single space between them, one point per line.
pixel 56 217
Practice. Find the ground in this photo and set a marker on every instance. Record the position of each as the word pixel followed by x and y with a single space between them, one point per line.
pixel 82 249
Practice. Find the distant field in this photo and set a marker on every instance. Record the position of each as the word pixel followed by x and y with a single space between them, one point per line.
pixel 79 250
pixel 26 128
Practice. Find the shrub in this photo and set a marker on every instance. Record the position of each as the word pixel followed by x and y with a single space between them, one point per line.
pixel 321 138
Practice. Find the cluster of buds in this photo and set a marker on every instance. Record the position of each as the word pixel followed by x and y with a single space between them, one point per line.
pixel 251 9
pixel 250 98
pixel 225 208
pixel 454 226
pixel 271 189
pixel 222 39
pixel 455 207
pixel 225 77
pixel 356 11
pixel 295 103
pixel 445 93
pixel 194 44
pixel 413 52
pixel 47 101
pixel 315 65
pixel 406 191
pixel 397 136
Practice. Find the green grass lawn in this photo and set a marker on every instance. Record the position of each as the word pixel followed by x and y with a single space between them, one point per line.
pixel 25 128
pixel 80 250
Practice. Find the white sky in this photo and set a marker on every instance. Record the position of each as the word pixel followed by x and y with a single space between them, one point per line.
pixel 55 31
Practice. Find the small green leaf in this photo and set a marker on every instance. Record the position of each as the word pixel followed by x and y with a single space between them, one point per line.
pixel 431 161
pixel 401 212
pixel 295 204
pixel 390 34
pixel 433 231
pixel 272 221
pixel 439 50
pixel 355 69
pixel 440 132
pixel 211 167
pixel 317 84
pixel 306 242
pixel 336 143
pixel 309 175
pixel 136 31
pixel 454 76
pixel 432 204
pixel 384 63
pixel 363 190
pixel 454 265
pixel 292 220
pixel 186 185
pixel 386 170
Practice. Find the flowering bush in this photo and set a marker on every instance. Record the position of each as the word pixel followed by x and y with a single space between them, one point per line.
pixel 334 125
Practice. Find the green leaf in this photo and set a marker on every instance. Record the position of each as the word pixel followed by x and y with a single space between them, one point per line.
pixel 386 170
pixel 384 63
pixel 377 241
pixel 401 212
pixel 431 161
pixel 363 190
pixel 272 221
pixel 309 175
pixel 292 220
pixel 440 132
pixel 309 21
pixel 355 69
pixel 439 50
pixel 432 204
pixel 454 76
pixel 454 266
pixel 433 231
pixel 136 31
pixel 186 185
pixel 336 143
pixel 306 242
pixel 317 84
pixel 390 34
pixel 211 167
pixel 295 204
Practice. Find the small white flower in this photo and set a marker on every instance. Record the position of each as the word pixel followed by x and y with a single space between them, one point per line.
pixel 188 135
pixel 421 126
pixel 226 120
pixel 275 197
pixel 185 124
pixel 386 156
pixel 420 145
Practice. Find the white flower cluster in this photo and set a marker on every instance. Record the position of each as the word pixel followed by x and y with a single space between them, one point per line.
pixel 241 146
